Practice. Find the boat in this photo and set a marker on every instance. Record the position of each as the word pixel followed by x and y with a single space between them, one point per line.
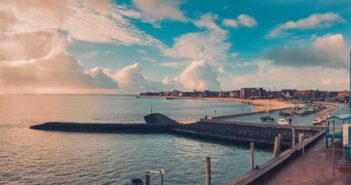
pixel 286 113
pixel 317 121
pixel 323 118
pixel 267 118
pixel 282 122
pixel 170 98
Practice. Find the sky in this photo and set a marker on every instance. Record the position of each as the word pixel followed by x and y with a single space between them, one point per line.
pixel 132 46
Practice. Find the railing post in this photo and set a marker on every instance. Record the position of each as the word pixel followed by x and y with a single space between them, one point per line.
pixel 301 142
pixel 279 142
pixel 292 137
pixel 276 146
pixel 252 156
pixel 147 178
pixel 208 171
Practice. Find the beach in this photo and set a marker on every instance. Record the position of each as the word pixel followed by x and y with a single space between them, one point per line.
pixel 259 104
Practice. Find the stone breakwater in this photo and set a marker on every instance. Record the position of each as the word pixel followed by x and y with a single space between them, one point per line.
pixel 233 132
pixel 244 133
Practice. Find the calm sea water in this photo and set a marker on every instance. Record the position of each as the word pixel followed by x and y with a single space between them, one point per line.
pixel 38 157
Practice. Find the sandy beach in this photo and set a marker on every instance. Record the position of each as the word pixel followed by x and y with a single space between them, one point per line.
pixel 259 104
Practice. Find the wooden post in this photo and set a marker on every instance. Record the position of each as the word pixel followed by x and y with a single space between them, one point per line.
pixel 275 149
pixel 147 178
pixel 301 142
pixel 279 142
pixel 252 156
pixel 292 137
pixel 208 171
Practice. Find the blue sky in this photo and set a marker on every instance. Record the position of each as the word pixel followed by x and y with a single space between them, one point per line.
pixel 134 45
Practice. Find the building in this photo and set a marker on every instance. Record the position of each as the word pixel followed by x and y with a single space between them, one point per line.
pixel 288 93
pixel 343 94
pixel 276 94
pixel 248 93
pixel 174 93
pixel 234 94
pixel 223 94
pixel 261 93
pixel 305 94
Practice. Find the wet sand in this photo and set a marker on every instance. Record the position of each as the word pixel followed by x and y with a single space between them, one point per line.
pixel 314 168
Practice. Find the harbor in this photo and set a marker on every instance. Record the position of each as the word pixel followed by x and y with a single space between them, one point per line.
pixel 287 142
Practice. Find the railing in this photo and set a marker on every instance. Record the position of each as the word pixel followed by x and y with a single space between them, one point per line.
pixel 344 164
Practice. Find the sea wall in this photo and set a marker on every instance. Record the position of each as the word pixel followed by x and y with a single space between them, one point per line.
pixel 244 133
pixel 233 132
pixel 102 127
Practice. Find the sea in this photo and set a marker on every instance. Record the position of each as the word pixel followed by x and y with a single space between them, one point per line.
pixel 45 157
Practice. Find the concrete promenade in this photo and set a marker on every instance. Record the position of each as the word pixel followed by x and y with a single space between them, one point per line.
pixel 314 168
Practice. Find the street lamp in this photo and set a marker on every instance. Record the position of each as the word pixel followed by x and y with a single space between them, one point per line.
pixel 161 172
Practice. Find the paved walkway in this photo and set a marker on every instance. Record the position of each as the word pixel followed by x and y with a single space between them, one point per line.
pixel 315 168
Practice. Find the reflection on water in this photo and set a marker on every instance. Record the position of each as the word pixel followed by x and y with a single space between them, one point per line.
pixel 32 157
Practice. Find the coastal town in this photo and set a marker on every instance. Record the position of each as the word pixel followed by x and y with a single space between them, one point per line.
pixel 260 93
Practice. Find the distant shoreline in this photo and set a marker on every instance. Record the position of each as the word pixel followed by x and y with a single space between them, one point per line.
pixel 259 104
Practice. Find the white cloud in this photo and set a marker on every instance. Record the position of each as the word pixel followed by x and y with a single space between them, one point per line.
pixel 246 20
pixel 170 82
pixel 198 75
pixel 328 51
pixel 132 79
pixel 279 77
pixel 171 64
pixel 91 20
pixel 38 61
pixel 208 21
pixel 209 46
pixel 241 20
pixel 158 10
pixel 314 21
pixel 230 23
pixel 35 34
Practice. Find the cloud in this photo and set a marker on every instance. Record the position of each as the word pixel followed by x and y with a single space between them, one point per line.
pixel 90 20
pixel 39 61
pixel 242 20
pixel 328 51
pixel 246 20
pixel 280 77
pixel 158 10
pixel 230 23
pixel 234 55
pixel 314 21
pixel 198 75
pixel 208 21
pixel 171 64
pixel 209 46
pixel 132 79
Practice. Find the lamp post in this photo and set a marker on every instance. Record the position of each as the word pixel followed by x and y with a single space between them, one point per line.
pixel 161 172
